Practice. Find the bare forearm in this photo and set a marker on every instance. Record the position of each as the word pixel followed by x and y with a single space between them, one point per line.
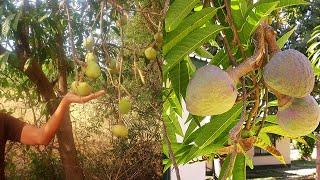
pixel 53 124
pixel 32 135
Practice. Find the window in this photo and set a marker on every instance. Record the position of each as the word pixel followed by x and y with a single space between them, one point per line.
pixel 261 152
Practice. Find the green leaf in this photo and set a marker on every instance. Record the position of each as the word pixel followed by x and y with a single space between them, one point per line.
pixel 178 10
pixel 282 41
pixel 265 138
pixel 210 131
pixel 270 119
pixel 180 75
pixel 202 52
pixel 224 167
pixel 255 16
pixel 238 11
pixel 239 169
pixel 44 17
pixel 188 44
pixel 276 129
pixel 269 148
pixel 189 24
pixel 6 25
pixel 285 3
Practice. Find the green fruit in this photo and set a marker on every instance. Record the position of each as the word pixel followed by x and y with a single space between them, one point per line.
pixel 150 53
pixel 120 131
pixel 91 57
pixel 124 106
pixel 300 117
pixel 211 91
pixel 246 133
pixel 290 73
pixel 114 67
pixel 81 88
pixel 158 37
pixel 88 43
pixel 92 70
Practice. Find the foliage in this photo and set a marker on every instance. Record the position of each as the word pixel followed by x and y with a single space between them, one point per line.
pixel 306 150
pixel 101 155
pixel 198 31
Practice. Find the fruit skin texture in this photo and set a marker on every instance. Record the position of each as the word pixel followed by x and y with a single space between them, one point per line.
pixel 290 73
pixel 91 57
pixel 124 106
pixel 299 118
pixel 88 43
pixel 92 70
pixel 81 88
pixel 120 131
pixel 211 91
pixel 150 53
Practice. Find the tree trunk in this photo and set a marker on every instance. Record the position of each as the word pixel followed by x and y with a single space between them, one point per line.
pixel 67 146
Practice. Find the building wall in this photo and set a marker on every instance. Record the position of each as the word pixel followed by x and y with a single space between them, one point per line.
pixel 194 171
pixel 282 145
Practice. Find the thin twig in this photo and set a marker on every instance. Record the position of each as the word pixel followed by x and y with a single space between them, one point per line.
pixel 171 154
pixel 265 111
pixel 234 28
pixel 73 49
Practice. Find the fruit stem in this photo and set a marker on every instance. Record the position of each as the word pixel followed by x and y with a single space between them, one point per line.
pixel 270 38
pixel 251 63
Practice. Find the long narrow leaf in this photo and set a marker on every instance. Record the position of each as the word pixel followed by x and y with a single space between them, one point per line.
pixel 189 24
pixel 188 44
pixel 178 10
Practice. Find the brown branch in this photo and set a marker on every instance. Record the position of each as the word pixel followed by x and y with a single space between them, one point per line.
pixel 234 28
pixel 265 112
pixel 228 49
pixel 73 49
pixel 171 154
pixel 253 62
pixel 255 108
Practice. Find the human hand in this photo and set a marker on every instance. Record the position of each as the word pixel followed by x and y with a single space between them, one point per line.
pixel 74 98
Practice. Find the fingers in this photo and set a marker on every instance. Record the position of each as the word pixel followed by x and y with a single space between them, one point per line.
pixel 92 96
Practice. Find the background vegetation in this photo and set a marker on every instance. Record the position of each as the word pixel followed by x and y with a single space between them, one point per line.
pixel 40 50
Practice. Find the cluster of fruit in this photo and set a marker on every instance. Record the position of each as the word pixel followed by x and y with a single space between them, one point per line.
pixel 121 130
pixel 91 69
pixel 288 75
pixel 150 52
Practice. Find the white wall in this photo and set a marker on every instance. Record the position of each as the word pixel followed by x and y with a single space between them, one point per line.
pixel 282 145
pixel 194 171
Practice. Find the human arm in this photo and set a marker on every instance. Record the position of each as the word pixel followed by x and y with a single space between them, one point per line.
pixel 32 135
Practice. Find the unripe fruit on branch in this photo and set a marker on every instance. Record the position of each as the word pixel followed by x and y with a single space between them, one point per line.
pixel 124 106
pixel 211 91
pixel 114 67
pixel 299 117
pixel 88 43
pixel 290 73
pixel 158 37
pixel 91 57
pixel 120 131
pixel 150 53
pixel 92 70
pixel 81 88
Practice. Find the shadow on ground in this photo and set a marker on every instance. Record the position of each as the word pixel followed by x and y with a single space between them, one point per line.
pixel 299 169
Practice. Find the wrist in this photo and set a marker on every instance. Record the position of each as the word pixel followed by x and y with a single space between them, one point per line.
pixel 65 101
